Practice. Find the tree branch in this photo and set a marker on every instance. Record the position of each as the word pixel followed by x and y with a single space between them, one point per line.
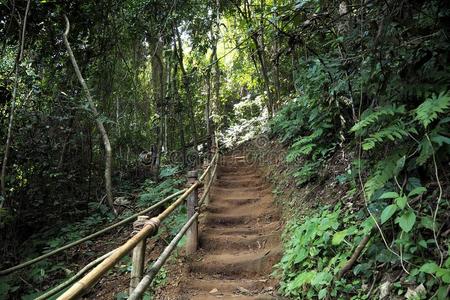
pixel 100 126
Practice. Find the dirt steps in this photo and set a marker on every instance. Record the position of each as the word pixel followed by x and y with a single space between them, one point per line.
pixel 239 239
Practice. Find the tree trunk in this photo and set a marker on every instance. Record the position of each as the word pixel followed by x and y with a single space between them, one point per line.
pixel 208 95
pixel 186 84
pixel 13 105
pixel 158 83
pixel 259 44
pixel 100 126
pixel 179 105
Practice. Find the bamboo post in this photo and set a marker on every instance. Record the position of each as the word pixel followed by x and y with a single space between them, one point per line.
pixel 207 177
pixel 213 153
pixel 138 259
pixel 192 202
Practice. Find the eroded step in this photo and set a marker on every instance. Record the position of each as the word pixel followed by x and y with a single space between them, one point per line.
pixel 237 190
pixel 268 227
pixel 229 206
pixel 232 183
pixel 238 265
pixel 237 286
pixel 238 242
pixel 208 296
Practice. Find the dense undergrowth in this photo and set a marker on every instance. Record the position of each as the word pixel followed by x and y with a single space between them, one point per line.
pixel 397 176
pixel 33 281
pixel 386 113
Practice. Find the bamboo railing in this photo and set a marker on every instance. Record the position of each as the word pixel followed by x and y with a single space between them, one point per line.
pixel 91 236
pixel 138 284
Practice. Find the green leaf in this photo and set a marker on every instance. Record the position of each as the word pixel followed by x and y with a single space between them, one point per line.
pixel 303 278
pixel 417 191
pixel 423 244
pixel 429 268
pixel 388 212
pixel 427 222
pixel 444 274
pixel 321 278
pixel 338 237
pixel 407 220
pixel 400 164
pixel 389 195
pixel 428 111
pixel 323 293
pixel 401 202
pixel 442 293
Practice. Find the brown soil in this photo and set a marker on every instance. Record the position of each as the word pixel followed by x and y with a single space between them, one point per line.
pixel 239 240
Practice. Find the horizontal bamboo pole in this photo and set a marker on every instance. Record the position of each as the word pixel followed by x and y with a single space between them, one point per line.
pixel 71 280
pixel 148 278
pixel 92 277
pixel 91 236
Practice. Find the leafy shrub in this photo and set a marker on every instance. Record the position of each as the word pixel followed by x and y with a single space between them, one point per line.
pixel 153 192
pixel 315 251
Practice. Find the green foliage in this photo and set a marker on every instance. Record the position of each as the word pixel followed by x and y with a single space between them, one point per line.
pixel 315 251
pixel 394 132
pixel 309 130
pixel 371 117
pixel 154 192
pixel 384 171
pixel 428 111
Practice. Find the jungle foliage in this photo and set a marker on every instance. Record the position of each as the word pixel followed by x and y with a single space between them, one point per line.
pixel 372 79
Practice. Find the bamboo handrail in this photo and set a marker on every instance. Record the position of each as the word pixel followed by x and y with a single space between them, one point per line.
pixel 150 228
pixel 208 168
pixel 91 236
pixel 207 186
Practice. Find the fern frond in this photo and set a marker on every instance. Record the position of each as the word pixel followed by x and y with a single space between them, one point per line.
pixel 437 140
pixel 428 111
pixel 372 116
pixel 304 146
pixel 384 171
pixel 394 132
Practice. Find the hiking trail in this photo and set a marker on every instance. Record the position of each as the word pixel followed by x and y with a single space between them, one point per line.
pixel 239 238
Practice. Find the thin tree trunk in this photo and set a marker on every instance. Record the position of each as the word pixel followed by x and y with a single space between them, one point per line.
pixel 208 97
pixel 217 85
pixel 179 108
pixel 262 61
pixel 13 105
pixel 158 82
pixel 187 87
pixel 100 126
pixel 259 44
pixel 218 108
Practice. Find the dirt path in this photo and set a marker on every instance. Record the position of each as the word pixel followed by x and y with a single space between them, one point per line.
pixel 239 239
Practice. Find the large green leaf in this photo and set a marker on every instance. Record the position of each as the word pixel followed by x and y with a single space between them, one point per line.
pixel 401 202
pixel 407 220
pixel 429 268
pixel 388 212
